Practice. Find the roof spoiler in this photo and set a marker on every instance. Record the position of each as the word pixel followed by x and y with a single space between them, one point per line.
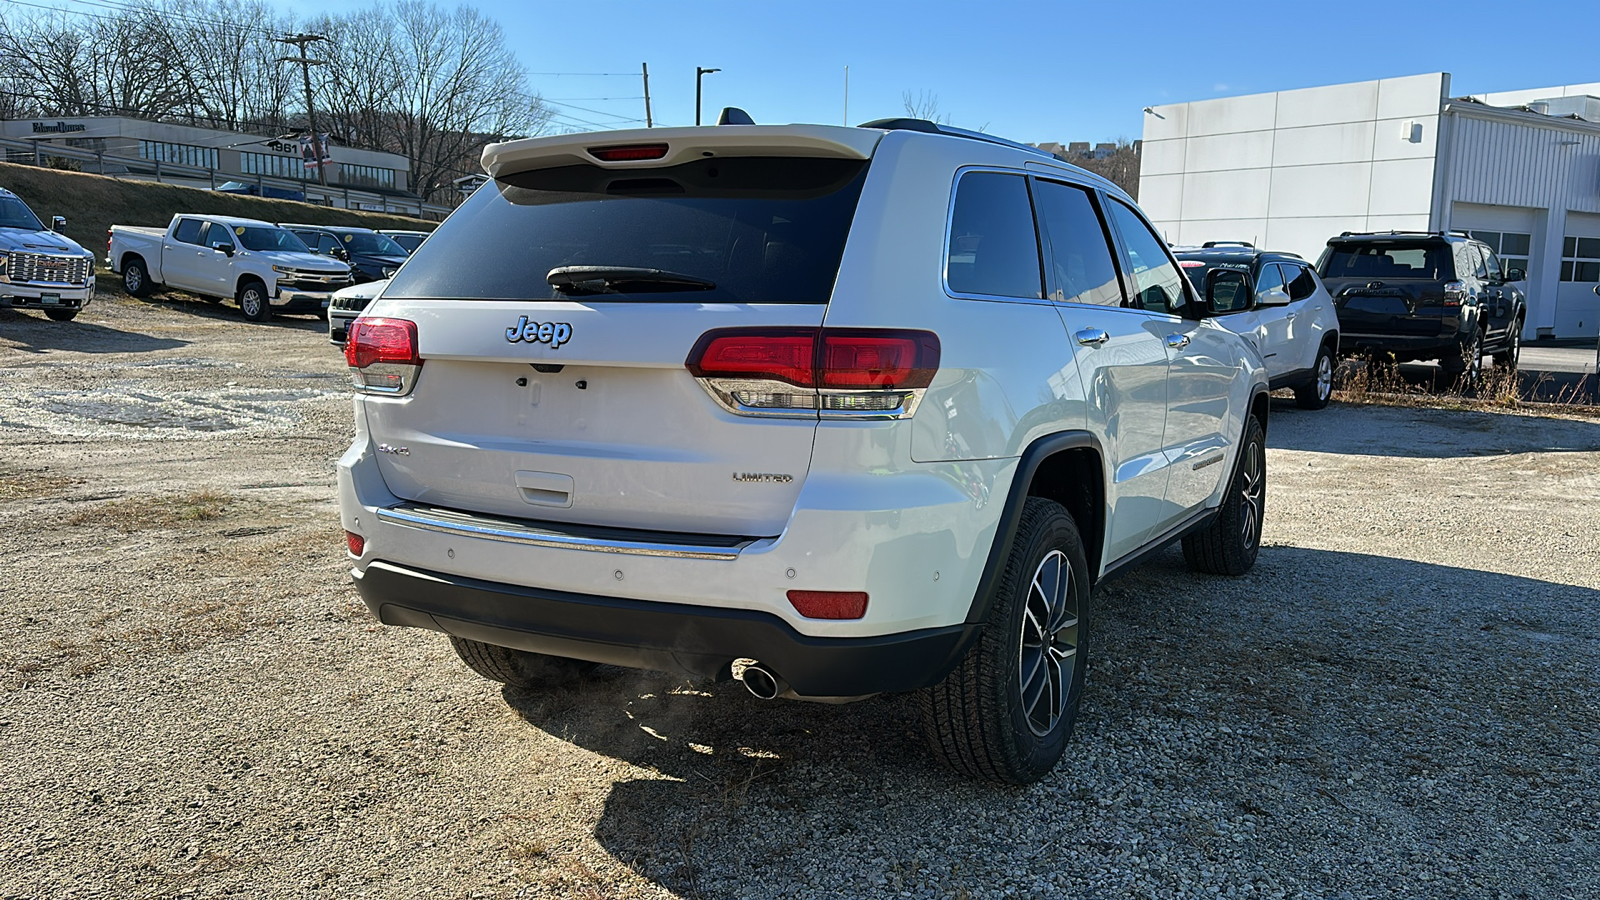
pixel 661 147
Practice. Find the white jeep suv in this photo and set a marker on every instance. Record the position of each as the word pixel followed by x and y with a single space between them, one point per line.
pixel 833 411
pixel 1277 303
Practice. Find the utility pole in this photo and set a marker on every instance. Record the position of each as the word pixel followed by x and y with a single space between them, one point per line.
pixel 305 63
pixel 648 122
pixel 699 74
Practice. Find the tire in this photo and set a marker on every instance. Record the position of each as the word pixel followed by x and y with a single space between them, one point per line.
pixel 978 720
pixel 62 315
pixel 1316 393
pixel 136 278
pixel 1230 544
pixel 1509 357
pixel 1468 369
pixel 519 668
pixel 253 301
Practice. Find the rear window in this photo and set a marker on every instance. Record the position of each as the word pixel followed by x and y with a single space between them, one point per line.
pixel 1389 261
pixel 762 230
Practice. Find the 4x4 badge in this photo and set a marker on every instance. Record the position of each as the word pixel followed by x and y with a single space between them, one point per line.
pixel 553 333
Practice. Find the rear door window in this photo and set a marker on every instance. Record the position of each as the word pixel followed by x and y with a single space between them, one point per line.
pixel 1080 268
pixel 994 250
pixel 1157 284
pixel 755 229
pixel 1491 265
pixel 1299 281
pixel 188 231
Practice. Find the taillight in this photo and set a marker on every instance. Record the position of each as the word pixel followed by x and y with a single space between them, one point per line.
pixel 382 355
pixel 1454 293
pixel 831 372
pixel 629 152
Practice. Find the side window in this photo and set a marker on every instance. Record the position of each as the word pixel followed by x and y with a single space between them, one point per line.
pixel 215 234
pixel 1157 285
pixel 1080 250
pixel 188 231
pixel 1491 265
pixel 1466 261
pixel 1301 283
pixel 326 244
pixel 1271 277
pixel 1479 269
pixel 993 249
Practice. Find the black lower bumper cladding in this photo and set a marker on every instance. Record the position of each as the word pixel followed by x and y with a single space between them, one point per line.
pixel 674 637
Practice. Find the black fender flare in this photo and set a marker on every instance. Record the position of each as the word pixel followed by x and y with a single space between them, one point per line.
pixel 1011 514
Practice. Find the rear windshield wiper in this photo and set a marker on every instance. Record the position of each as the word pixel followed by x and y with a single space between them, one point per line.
pixel 622 280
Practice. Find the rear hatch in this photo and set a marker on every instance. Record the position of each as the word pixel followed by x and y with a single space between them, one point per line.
pixel 558 393
pixel 1391 287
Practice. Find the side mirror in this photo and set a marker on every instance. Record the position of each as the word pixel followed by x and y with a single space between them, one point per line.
pixel 341 253
pixel 1273 297
pixel 1597 290
pixel 222 247
pixel 1516 275
pixel 1227 290
pixel 58 222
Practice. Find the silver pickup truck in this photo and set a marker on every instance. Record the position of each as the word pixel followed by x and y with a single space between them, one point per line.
pixel 40 269
pixel 265 268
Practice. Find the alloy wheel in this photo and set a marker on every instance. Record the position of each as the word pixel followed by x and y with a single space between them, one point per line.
pixel 1253 489
pixel 132 279
pixel 250 303
pixel 1324 378
pixel 1049 643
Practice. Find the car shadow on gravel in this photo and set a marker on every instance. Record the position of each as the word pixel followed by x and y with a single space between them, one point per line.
pixel 31 332
pixel 1423 433
pixel 227 311
pixel 1312 726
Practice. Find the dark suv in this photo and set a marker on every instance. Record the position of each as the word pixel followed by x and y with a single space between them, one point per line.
pixel 372 256
pixel 1425 295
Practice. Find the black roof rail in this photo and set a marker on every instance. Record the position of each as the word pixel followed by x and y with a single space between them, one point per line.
pixel 1209 244
pixel 927 127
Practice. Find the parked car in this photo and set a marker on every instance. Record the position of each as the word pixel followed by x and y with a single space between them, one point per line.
pixel 1281 307
pixel 265 268
pixel 40 268
pixel 259 190
pixel 372 256
pixel 1425 295
pixel 826 422
pixel 348 303
pixel 410 240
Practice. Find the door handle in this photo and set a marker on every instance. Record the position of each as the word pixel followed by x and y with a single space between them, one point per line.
pixel 1289 317
pixel 1092 337
pixel 1177 341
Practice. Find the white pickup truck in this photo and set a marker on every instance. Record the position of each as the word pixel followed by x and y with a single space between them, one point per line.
pixel 265 268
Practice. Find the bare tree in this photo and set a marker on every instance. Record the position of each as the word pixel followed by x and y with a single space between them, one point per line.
pixel 924 105
pixel 1121 166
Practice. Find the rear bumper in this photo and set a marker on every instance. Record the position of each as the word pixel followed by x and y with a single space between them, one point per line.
pixel 339 324
pixel 1404 347
pixel 694 640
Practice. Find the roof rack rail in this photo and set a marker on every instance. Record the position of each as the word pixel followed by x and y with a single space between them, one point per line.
pixel 927 127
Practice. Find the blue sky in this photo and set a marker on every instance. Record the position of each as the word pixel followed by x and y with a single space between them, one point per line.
pixel 1030 71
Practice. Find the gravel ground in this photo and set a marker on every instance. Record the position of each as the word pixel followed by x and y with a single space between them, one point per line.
pixel 1400 700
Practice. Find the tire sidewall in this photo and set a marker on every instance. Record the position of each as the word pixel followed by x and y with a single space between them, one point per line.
pixel 1033 755
pixel 261 307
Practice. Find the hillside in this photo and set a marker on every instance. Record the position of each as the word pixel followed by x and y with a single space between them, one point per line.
pixel 93 203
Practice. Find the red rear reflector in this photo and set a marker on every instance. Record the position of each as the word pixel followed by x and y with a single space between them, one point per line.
pixel 381 341
pixel 355 542
pixel 628 152
pixel 1192 264
pixel 786 354
pixel 878 359
pixel 829 604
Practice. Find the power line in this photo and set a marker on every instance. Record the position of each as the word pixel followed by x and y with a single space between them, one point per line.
pixel 599 112
pixel 585 74
pixel 565 99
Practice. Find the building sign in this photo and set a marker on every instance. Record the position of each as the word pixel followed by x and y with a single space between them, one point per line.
pixel 282 146
pixel 57 127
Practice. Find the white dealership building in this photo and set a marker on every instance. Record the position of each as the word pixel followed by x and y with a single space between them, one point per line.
pixel 1287 170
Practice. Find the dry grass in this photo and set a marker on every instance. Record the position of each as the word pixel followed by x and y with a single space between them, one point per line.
pixel 27 487
pixel 1381 384
pixel 140 513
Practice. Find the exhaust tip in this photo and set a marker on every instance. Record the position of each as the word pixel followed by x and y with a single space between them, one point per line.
pixel 760 681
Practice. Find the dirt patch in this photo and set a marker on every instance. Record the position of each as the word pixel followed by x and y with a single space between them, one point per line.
pixel 141 513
